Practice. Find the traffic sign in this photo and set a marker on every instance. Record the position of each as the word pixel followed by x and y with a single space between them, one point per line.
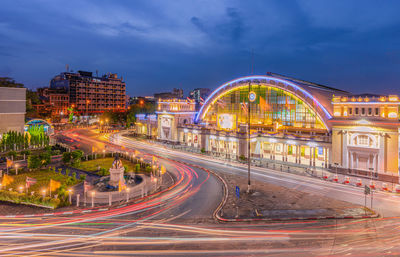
pixel 367 190
pixel 237 192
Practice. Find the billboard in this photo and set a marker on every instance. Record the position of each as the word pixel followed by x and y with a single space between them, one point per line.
pixel 227 121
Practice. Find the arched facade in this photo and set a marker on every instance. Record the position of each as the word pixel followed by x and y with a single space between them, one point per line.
pixel 278 102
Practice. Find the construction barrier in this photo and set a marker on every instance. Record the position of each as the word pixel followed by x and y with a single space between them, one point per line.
pixel 384 187
pixel 359 182
pixel 347 180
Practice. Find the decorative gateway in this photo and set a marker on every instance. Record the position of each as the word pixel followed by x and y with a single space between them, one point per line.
pixel 166 123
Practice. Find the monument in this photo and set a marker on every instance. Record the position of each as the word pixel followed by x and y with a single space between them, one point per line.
pixel 116 172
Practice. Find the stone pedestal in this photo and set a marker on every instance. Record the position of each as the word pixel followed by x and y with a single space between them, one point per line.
pixel 115 176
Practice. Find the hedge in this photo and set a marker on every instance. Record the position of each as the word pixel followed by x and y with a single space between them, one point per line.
pixel 21 198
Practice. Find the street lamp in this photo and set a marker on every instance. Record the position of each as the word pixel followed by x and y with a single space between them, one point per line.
pixel 93 193
pixel 20 189
pixel 127 194
pixel 44 193
pixel 104 153
pixel 16 169
pixel 70 195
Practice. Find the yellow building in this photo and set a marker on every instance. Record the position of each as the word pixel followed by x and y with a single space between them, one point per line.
pixel 365 134
pixel 287 120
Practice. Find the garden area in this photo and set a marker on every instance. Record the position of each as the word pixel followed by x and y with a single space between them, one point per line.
pixel 35 187
pixel 101 165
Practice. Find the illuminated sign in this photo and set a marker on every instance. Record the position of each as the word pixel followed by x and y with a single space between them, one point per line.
pixel 252 96
pixel 226 121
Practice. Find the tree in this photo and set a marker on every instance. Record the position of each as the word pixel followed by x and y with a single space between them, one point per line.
pixel 34 162
pixel 45 158
pixel 66 158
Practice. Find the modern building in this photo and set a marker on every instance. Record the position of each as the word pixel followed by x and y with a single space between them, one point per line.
pixel 176 93
pixel 12 109
pixel 290 120
pixel 90 94
pixel 199 94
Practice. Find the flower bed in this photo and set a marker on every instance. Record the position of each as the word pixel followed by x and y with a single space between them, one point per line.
pixel 34 194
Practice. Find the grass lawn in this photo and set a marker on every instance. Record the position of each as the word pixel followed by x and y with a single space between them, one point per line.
pixel 105 163
pixel 43 179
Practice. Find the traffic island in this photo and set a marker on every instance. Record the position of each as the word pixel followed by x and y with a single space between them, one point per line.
pixel 271 202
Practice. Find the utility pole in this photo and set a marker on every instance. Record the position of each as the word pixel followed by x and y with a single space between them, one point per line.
pixel 248 141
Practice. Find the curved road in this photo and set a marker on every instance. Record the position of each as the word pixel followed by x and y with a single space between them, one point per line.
pixel 178 221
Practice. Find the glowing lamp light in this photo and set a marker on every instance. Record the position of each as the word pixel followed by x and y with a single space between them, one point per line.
pixel 382 99
pixel 345 113
pixel 392 115
pixel 336 114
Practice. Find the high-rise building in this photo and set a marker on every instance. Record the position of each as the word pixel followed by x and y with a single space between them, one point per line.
pixel 90 94
pixel 199 94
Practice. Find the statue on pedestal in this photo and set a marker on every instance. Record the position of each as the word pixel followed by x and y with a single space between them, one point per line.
pixel 116 172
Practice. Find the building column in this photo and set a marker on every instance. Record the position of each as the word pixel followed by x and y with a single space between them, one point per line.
pixel 311 156
pixel 326 157
pixel 273 150
pixel 314 156
pixel 374 162
pixel 296 153
pixel 299 154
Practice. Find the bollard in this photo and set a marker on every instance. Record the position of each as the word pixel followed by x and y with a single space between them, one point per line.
pixel 372 184
pixel 336 179
pixel 77 200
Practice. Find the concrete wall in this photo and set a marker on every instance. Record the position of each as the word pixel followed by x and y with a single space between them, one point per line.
pixel 12 109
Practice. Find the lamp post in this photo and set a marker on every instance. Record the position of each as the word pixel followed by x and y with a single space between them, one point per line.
pixel 16 169
pixel 70 195
pixel 251 98
pixel 20 189
pixel 44 193
pixel 127 194
pixel 104 153
pixel 92 198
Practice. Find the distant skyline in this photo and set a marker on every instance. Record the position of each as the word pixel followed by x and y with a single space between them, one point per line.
pixel 157 45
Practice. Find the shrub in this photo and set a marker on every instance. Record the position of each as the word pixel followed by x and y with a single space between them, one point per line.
pixel 242 157
pixel 137 167
pixel 66 158
pixel 148 169
pixel 34 162
pixel 82 177
pixel 13 154
pixel 74 175
pixel 45 158
pixel 202 150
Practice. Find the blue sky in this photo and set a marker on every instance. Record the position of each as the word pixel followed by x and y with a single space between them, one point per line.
pixel 158 45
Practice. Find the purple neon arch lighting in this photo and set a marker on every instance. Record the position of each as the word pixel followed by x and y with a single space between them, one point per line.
pixel 220 89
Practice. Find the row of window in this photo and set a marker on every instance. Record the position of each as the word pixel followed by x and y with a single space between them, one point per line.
pixel 363 111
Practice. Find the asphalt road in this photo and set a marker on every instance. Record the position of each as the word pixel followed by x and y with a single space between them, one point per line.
pixel 178 222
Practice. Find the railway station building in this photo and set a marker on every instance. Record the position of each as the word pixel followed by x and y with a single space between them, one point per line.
pixel 285 120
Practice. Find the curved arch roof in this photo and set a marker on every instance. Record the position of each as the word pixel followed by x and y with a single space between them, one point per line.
pixel 315 96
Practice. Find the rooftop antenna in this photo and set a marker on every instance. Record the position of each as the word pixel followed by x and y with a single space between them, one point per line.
pixel 67 67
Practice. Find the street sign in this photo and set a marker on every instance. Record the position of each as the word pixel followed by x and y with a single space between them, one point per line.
pixel 237 192
pixel 367 190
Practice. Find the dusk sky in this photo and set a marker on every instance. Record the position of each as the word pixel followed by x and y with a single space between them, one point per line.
pixel 158 45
